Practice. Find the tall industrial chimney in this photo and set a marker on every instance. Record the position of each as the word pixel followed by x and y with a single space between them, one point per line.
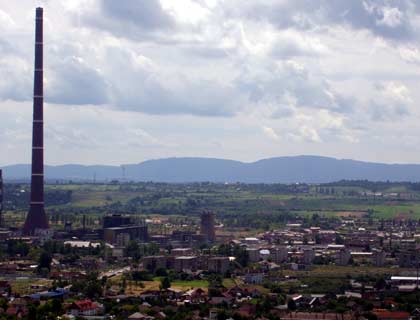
pixel 1 199
pixel 36 218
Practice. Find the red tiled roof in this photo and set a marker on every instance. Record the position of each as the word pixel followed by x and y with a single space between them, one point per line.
pixel 85 305
pixel 385 314
pixel 314 315
pixel 11 311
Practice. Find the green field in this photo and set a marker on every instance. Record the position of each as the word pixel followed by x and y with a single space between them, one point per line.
pixel 236 206
pixel 190 284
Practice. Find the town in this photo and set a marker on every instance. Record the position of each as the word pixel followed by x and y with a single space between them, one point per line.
pixel 354 264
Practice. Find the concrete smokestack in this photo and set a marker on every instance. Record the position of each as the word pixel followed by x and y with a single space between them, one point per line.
pixel 1 199
pixel 36 218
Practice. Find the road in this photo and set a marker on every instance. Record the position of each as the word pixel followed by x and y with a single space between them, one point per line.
pixel 113 273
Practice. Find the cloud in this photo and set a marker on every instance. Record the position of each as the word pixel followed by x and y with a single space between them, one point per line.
pixel 391 17
pixel 309 134
pixel 6 20
pixel 16 82
pixel 377 16
pixel 283 86
pixel 290 43
pixel 130 18
pixel 164 78
pixel 250 68
pixel 410 54
pixel 137 137
pixel 73 81
pixel 270 133
pixel 319 126
pixel 392 101
pixel 142 86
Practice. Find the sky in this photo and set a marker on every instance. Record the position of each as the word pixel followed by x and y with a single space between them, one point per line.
pixel 127 81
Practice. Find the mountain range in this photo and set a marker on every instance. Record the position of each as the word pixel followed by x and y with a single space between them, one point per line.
pixel 304 169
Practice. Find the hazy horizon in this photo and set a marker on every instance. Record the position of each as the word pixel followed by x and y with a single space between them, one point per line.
pixel 214 158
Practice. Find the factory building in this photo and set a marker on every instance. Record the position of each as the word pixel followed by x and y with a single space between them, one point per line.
pixel 119 229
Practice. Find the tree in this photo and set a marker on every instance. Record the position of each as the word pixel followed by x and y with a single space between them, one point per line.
pixel 165 283
pixel 380 283
pixel 91 286
pixel 339 239
pixel 56 306
pixel 242 256
pixel 34 253
pixel 224 249
pixel 161 272
pixel 141 276
pixel 33 312
pixel 44 261
pixel 133 250
pixel 15 247
pixel 291 305
pixel 104 281
pixel 123 285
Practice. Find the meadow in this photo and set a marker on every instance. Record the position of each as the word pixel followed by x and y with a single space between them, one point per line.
pixel 236 205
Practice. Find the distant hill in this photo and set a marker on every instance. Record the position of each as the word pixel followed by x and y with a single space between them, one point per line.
pixel 309 169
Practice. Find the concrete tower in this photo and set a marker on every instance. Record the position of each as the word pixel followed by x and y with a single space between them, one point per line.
pixel 36 218
pixel 207 226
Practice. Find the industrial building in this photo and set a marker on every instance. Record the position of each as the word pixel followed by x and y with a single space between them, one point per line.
pixel 111 235
pixel 115 220
pixel 119 229
pixel 218 265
